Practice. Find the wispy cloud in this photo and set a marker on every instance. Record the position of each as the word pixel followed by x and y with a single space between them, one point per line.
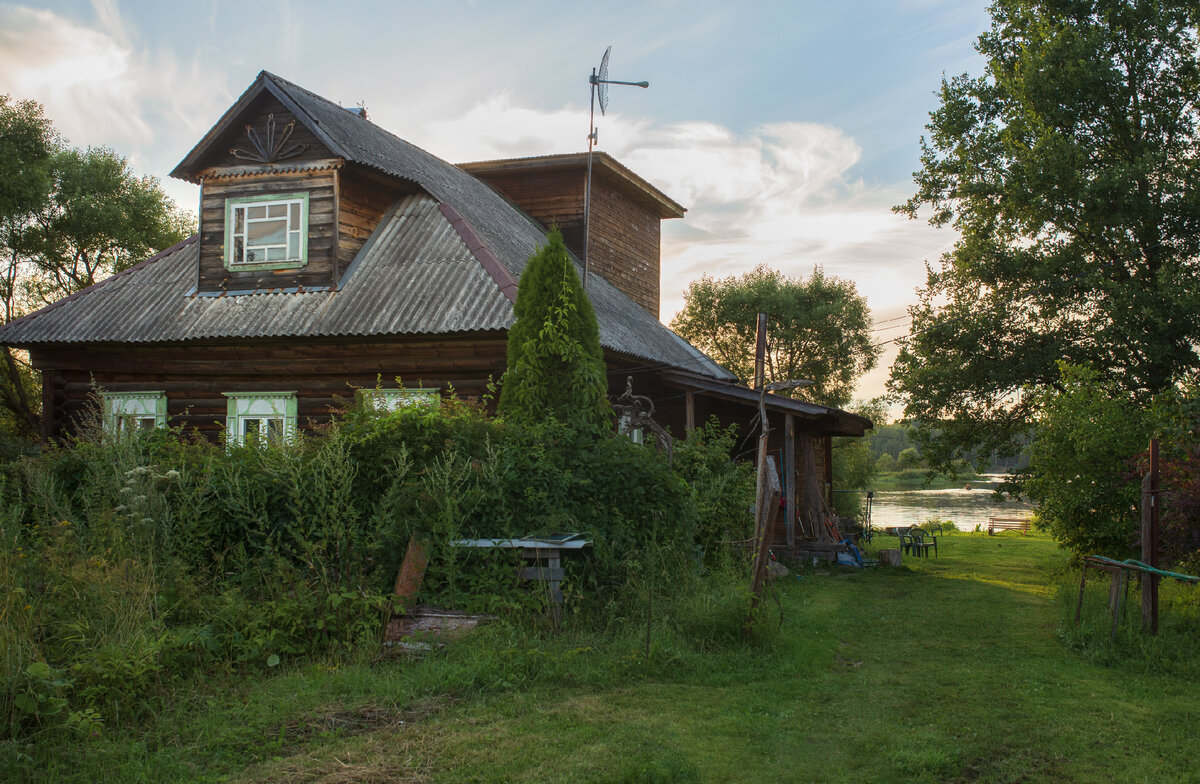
pixel 84 77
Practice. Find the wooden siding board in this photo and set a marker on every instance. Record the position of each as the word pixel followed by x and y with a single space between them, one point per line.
pixel 256 117
pixel 319 186
pixel 324 375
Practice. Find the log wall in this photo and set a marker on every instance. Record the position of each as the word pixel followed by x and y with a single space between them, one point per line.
pixel 625 234
pixel 322 373
pixel 319 270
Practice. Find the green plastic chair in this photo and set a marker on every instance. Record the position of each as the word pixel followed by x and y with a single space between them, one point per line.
pixel 922 542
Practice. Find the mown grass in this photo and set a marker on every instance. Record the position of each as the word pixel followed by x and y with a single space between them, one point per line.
pixel 963 668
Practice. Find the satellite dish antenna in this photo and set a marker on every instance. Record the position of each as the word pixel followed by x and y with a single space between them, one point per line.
pixel 599 82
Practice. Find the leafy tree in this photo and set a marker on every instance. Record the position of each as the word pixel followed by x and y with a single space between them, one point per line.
pixel 820 328
pixel 555 364
pixel 1071 171
pixel 910 458
pixel 67 218
pixel 854 464
pixel 27 144
pixel 100 218
pixel 1079 476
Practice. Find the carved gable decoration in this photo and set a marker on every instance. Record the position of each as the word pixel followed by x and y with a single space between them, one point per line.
pixel 269 146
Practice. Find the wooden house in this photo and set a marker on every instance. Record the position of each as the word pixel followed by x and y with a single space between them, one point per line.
pixel 331 253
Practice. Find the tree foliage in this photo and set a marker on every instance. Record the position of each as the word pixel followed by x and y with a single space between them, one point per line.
pixel 1088 432
pixel 1071 170
pixel 820 328
pixel 555 364
pixel 68 218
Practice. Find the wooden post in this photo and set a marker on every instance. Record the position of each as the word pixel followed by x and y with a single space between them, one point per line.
pixel 412 571
pixel 789 479
pixel 1150 542
pixel 760 351
pixel 829 470
pixel 689 401
pixel 48 412
pixel 768 504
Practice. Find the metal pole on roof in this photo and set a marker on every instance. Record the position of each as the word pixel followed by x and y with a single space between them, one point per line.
pixel 599 82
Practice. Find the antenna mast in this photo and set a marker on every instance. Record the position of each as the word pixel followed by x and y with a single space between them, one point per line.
pixel 599 82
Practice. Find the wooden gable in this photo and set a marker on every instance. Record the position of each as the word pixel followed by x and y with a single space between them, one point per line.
pixel 262 150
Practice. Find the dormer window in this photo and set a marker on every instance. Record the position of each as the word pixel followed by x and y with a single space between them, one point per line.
pixel 266 232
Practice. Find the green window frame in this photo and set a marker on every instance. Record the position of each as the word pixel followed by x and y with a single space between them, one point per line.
pixel 396 399
pixel 126 413
pixel 266 232
pixel 260 419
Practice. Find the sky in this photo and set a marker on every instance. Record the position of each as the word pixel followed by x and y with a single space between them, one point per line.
pixel 787 129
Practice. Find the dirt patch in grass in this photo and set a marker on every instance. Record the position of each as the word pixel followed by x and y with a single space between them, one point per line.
pixel 368 744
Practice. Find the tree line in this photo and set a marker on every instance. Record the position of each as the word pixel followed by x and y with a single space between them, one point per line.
pixel 68 218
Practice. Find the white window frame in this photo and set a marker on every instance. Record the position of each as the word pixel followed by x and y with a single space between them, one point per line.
pixel 131 412
pixel 395 399
pixel 248 411
pixel 295 213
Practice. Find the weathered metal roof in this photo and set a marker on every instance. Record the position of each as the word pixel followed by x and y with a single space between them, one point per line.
pixel 424 270
pixel 833 421
pixel 415 275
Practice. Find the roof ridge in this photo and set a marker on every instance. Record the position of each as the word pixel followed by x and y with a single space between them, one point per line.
pixel 162 254
pixel 480 251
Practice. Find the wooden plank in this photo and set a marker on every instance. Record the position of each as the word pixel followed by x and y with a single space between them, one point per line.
pixel 789 479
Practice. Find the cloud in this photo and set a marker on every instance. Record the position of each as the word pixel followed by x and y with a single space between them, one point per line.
pixel 784 194
pixel 83 77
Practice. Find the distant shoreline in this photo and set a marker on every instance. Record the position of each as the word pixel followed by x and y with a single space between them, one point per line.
pixel 914 479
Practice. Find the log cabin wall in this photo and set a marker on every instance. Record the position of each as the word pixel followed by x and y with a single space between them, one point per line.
pixel 363 200
pixel 318 271
pixel 625 232
pixel 320 372
pixel 552 198
pixel 624 242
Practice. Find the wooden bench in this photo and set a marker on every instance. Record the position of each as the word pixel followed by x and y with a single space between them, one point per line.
pixel 1007 524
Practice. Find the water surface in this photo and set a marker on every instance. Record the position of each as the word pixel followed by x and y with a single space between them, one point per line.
pixel 965 508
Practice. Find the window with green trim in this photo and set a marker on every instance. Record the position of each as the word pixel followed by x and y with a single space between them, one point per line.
pixel 266 232
pixel 260 419
pixel 396 399
pixel 133 412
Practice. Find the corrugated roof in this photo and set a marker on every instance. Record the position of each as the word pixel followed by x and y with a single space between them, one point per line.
pixel 415 275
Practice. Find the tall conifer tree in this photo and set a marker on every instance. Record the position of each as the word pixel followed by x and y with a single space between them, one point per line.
pixel 555 364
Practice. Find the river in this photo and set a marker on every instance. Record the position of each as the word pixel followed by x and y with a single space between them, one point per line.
pixel 965 508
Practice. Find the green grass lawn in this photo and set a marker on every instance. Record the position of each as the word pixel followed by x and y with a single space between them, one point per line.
pixel 955 669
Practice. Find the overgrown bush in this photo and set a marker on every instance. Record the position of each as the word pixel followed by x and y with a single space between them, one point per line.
pixel 133 561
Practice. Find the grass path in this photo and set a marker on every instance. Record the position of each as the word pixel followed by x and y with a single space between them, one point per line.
pixel 947 670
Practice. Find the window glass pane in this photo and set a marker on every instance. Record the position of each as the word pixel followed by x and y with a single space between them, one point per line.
pixel 274 432
pixel 293 245
pixel 277 210
pixel 276 254
pixel 239 249
pixel 146 423
pixel 253 254
pixel 295 213
pixel 239 220
pixel 271 232
pixel 257 211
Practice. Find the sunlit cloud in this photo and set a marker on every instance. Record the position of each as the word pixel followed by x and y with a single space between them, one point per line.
pixel 82 76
